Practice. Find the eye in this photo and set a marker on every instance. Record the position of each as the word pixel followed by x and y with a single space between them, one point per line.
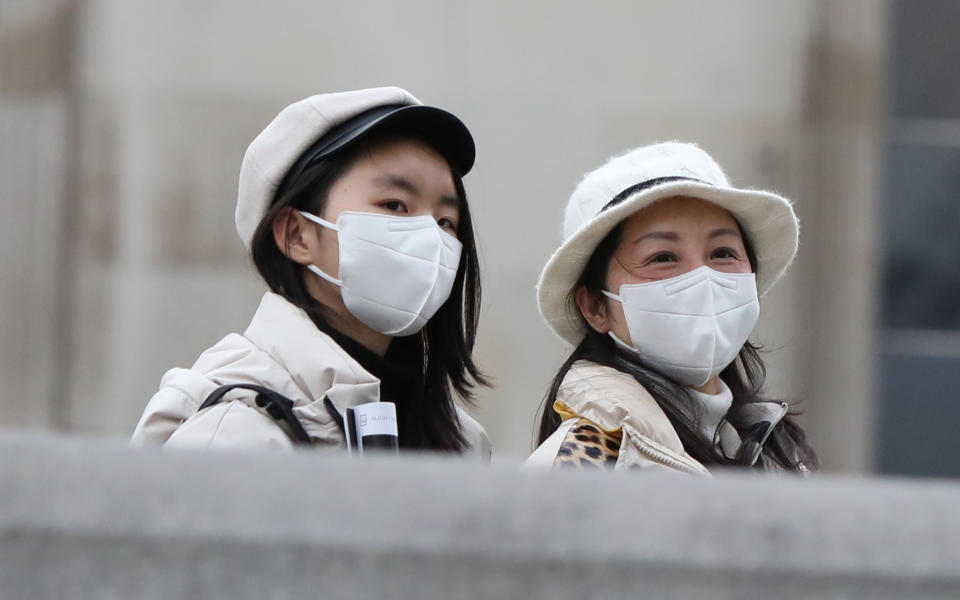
pixel 448 224
pixel 724 253
pixel 396 206
pixel 663 257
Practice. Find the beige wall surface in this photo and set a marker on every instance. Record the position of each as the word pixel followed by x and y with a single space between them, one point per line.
pixel 163 97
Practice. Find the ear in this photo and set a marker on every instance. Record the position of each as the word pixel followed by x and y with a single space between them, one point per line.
pixel 294 235
pixel 593 307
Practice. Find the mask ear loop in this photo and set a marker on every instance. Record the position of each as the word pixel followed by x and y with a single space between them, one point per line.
pixel 314 268
pixel 623 344
pixel 316 271
pixel 612 296
pixel 616 339
pixel 319 220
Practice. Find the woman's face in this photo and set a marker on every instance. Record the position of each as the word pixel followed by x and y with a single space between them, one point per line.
pixel 666 239
pixel 402 177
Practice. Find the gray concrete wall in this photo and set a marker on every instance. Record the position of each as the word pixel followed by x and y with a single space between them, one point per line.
pixel 167 95
pixel 94 519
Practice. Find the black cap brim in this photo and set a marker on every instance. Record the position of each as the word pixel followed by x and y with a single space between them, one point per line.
pixel 435 126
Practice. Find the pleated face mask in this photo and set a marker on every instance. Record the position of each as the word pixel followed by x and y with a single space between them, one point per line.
pixel 691 326
pixel 394 272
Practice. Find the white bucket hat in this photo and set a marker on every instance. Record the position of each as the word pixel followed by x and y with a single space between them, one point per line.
pixel 637 179
pixel 320 125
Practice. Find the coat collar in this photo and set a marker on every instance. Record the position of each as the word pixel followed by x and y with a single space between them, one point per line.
pixel 612 399
pixel 615 400
pixel 310 358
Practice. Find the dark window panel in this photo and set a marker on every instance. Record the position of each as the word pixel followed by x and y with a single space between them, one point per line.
pixel 922 238
pixel 919 411
pixel 924 58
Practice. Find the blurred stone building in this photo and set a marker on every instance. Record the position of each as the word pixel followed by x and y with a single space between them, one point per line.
pixel 122 126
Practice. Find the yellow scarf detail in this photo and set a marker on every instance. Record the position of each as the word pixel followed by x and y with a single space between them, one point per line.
pixel 567 413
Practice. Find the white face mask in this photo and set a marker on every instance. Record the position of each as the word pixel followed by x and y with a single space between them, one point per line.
pixel 691 326
pixel 395 272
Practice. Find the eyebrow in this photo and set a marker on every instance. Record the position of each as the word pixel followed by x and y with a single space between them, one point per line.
pixel 658 235
pixel 401 182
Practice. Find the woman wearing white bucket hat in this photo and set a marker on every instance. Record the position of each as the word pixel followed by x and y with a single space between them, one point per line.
pixel 656 285
pixel 353 210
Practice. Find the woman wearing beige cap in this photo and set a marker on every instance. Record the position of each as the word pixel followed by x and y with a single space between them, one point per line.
pixel 656 286
pixel 353 210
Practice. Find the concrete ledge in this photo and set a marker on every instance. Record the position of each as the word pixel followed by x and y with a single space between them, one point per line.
pixel 94 519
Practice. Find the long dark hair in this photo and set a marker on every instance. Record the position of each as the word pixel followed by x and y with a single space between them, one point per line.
pixel 786 445
pixel 442 352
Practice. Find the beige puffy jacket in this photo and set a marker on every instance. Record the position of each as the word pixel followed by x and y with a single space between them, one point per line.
pixel 616 402
pixel 283 351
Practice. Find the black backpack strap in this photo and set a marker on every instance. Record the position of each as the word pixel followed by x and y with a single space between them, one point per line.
pixel 335 415
pixel 275 404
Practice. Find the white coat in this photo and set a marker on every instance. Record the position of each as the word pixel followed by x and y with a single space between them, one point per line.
pixel 281 350
pixel 615 401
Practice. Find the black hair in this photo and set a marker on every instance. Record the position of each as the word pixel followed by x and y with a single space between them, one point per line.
pixel 786 445
pixel 441 353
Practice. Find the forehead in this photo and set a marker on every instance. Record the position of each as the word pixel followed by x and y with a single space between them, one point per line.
pixel 678 214
pixel 401 153
pixel 403 163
